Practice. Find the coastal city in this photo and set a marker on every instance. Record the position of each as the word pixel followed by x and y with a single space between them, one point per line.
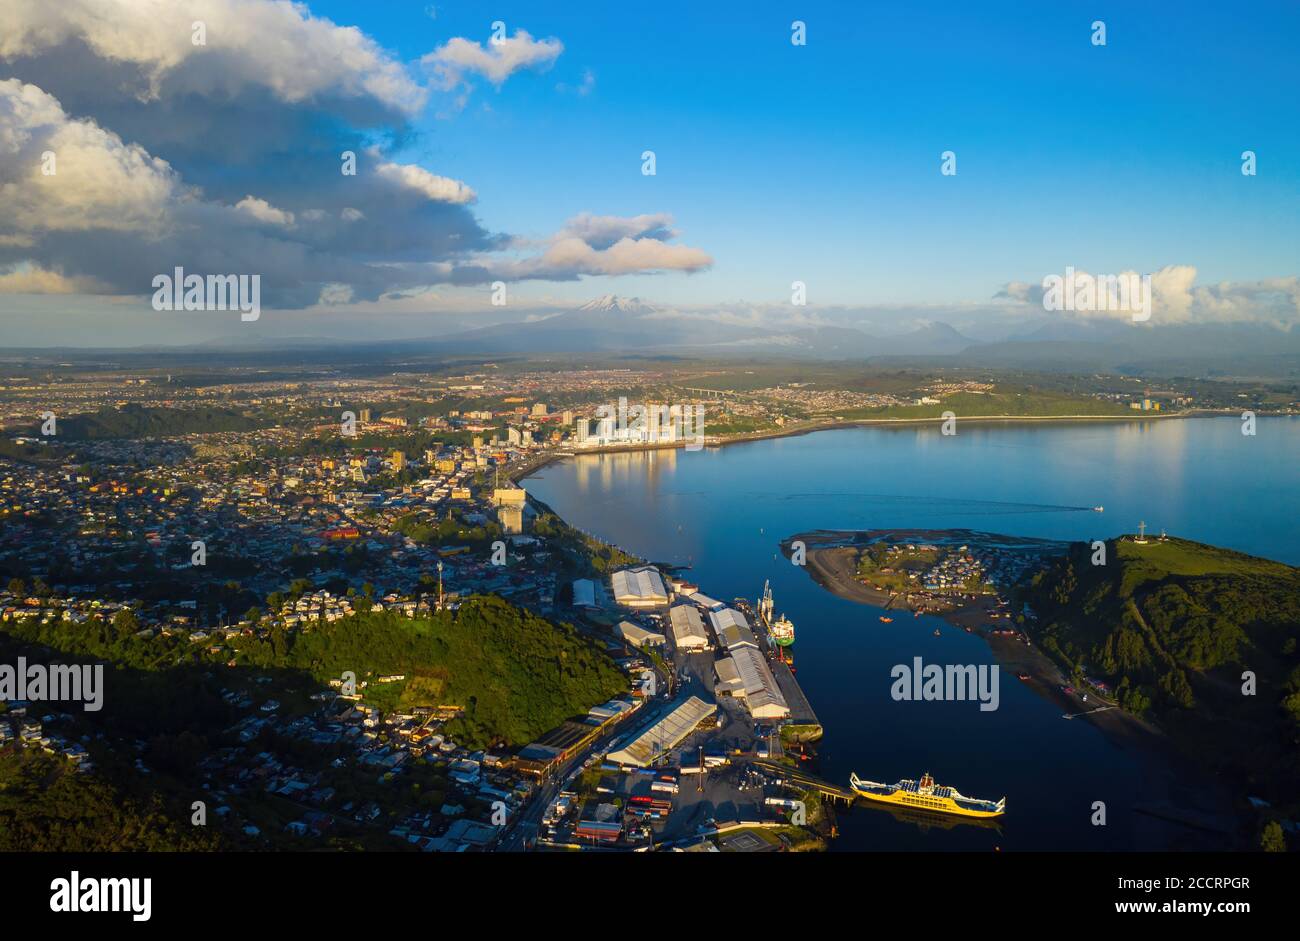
pixel 499 446
pixel 166 531
pixel 194 549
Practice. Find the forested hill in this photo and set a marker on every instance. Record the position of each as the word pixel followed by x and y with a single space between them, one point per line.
pixel 1172 626
pixel 517 675
pixel 138 421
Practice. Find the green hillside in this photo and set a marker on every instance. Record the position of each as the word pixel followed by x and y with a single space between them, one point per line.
pixel 1000 403
pixel 47 807
pixel 1172 626
pixel 138 421
pixel 515 674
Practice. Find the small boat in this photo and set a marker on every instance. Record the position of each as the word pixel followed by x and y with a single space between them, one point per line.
pixel 936 632
pixel 885 620
pixel 1022 676
pixel 1099 509
pixel 916 614
pixel 968 630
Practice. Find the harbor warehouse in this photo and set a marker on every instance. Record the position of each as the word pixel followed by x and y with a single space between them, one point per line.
pixel 638 636
pixel 688 628
pixel 664 735
pixel 640 588
pixel 732 629
pixel 757 685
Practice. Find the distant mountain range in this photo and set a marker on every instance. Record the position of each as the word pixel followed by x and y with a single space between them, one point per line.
pixel 618 324
pixel 612 325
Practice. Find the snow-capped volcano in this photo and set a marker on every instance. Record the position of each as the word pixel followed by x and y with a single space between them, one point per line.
pixel 626 305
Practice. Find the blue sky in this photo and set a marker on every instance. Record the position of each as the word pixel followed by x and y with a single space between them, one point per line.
pixel 776 163
pixel 822 162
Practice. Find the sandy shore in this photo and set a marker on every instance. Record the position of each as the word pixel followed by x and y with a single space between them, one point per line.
pixel 1180 805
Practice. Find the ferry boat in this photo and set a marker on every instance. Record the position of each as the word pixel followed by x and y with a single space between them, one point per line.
pixel 926 795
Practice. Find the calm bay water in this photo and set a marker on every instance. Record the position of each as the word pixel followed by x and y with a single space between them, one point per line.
pixel 724 511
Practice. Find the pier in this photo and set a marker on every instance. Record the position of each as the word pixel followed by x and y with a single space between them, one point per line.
pixel 801 711
pixel 808 782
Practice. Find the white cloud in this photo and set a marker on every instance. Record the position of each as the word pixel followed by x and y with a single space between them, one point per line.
pixel 30 279
pixel 497 61
pixel 1176 299
pixel 440 189
pixel 603 231
pixel 571 257
pixel 99 181
pixel 263 211
pixel 279 46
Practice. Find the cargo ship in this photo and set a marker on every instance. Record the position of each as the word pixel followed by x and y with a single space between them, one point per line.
pixel 926 795
pixel 780 630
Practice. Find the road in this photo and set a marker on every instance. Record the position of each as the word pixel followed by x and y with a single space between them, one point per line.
pixel 527 823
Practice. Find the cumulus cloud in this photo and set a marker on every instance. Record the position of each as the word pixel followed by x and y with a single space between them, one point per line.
pixel 263 211
pixel 225 157
pixel 278 46
pixel 28 279
pixel 1175 298
pixel 589 244
pixel 111 216
pixel 568 258
pixel 603 231
pixel 452 62
pixel 90 179
pixel 440 189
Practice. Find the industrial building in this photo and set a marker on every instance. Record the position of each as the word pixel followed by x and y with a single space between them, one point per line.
pixel 638 636
pixel 601 823
pixel 664 735
pixel 640 588
pixel 688 628
pixel 732 629
pixel 703 600
pixel 757 685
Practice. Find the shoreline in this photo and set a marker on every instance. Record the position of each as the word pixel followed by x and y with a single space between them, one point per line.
pixel 1167 819
pixel 543 461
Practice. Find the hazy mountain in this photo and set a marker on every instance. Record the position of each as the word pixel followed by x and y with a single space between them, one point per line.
pixel 612 323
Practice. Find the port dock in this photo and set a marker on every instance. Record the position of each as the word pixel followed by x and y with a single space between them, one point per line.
pixel 795 778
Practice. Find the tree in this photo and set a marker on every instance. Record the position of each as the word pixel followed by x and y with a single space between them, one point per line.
pixel 1272 839
pixel 17 587
pixel 125 623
